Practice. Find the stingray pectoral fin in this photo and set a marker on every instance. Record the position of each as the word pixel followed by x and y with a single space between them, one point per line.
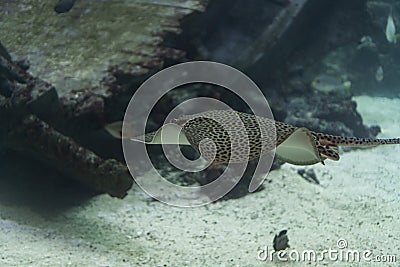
pixel 299 148
pixel 169 133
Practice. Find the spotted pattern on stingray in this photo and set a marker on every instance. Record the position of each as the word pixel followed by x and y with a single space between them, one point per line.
pixel 327 145
pixel 206 125
pixel 149 137
pixel 327 139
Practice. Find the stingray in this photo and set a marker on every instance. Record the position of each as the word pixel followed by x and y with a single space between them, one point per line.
pixel 295 145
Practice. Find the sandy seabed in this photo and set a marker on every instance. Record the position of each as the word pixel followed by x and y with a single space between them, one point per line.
pixel 356 205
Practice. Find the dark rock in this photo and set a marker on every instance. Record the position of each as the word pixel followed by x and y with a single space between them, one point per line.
pixel 64 6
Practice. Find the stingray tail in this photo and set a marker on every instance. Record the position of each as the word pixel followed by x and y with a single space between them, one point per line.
pixel 331 140
pixel 329 152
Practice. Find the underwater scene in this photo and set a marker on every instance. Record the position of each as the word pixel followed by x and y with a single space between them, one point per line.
pixel 200 133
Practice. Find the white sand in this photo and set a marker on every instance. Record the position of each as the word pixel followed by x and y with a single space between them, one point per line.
pixel 358 200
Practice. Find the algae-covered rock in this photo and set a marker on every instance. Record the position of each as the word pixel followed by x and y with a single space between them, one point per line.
pixel 73 50
pixel 73 58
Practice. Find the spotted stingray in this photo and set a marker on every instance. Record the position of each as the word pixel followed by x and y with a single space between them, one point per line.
pixel 295 145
